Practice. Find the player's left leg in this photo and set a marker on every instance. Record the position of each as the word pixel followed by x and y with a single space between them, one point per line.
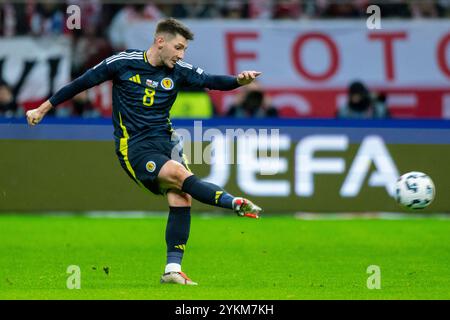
pixel 177 234
pixel 173 175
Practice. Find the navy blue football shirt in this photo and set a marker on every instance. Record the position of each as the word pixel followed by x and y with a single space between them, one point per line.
pixel 142 94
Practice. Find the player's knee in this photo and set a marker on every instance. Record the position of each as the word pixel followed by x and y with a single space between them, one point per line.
pixel 187 200
pixel 179 199
pixel 173 174
pixel 183 201
pixel 179 174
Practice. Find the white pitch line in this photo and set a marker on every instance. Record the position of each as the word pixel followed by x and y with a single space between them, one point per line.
pixel 226 213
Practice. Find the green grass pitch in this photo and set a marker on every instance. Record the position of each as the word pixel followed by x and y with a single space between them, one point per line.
pixel 276 257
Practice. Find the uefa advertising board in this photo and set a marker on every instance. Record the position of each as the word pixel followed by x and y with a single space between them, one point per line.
pixel 284 165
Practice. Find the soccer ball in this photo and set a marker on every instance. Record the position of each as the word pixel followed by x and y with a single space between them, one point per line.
pixel 415 190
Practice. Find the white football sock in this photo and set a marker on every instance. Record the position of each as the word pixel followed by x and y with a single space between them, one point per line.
pixel 173 267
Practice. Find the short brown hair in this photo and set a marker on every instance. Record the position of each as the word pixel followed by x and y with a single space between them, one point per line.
pixel 173 26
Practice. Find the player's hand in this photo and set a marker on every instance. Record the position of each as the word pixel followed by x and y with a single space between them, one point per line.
pixel 36 115
pixel 246 77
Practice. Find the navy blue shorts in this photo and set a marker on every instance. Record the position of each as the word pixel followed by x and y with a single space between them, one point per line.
pixel 142 161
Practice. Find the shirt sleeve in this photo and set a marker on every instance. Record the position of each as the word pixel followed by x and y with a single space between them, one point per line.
pixel 195 77
pixel 94 76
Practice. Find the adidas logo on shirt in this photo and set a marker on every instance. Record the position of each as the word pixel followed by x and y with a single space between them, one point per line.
pixel 136 79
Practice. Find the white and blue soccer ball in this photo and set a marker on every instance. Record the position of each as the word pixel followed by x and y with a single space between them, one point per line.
pixel 415 190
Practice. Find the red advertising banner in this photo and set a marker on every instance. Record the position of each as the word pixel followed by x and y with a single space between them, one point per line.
pixel 306 66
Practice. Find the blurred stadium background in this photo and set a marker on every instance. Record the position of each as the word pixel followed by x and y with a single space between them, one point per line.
pixel 355 107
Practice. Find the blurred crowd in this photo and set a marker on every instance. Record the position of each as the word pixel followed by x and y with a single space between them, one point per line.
pixel 47 17
pixel 101 32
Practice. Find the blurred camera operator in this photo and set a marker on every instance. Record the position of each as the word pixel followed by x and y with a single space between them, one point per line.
pixel 362 104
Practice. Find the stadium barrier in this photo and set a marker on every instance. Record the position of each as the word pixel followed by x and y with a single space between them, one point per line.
pixel 311 165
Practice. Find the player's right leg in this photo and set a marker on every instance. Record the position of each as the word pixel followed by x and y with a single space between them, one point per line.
pixel 177 235
pixel 173 175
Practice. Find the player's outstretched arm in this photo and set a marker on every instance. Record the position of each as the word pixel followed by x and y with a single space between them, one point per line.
pixel 226 82
pixel 35 116
pixel 90 78
pixel 246 77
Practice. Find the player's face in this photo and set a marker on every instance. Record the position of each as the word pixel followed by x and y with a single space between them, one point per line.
pixel 173 49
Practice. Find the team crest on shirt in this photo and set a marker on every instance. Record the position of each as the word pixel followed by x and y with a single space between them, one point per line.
pixel 150 166
pixel 151 83
pixel 167 83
